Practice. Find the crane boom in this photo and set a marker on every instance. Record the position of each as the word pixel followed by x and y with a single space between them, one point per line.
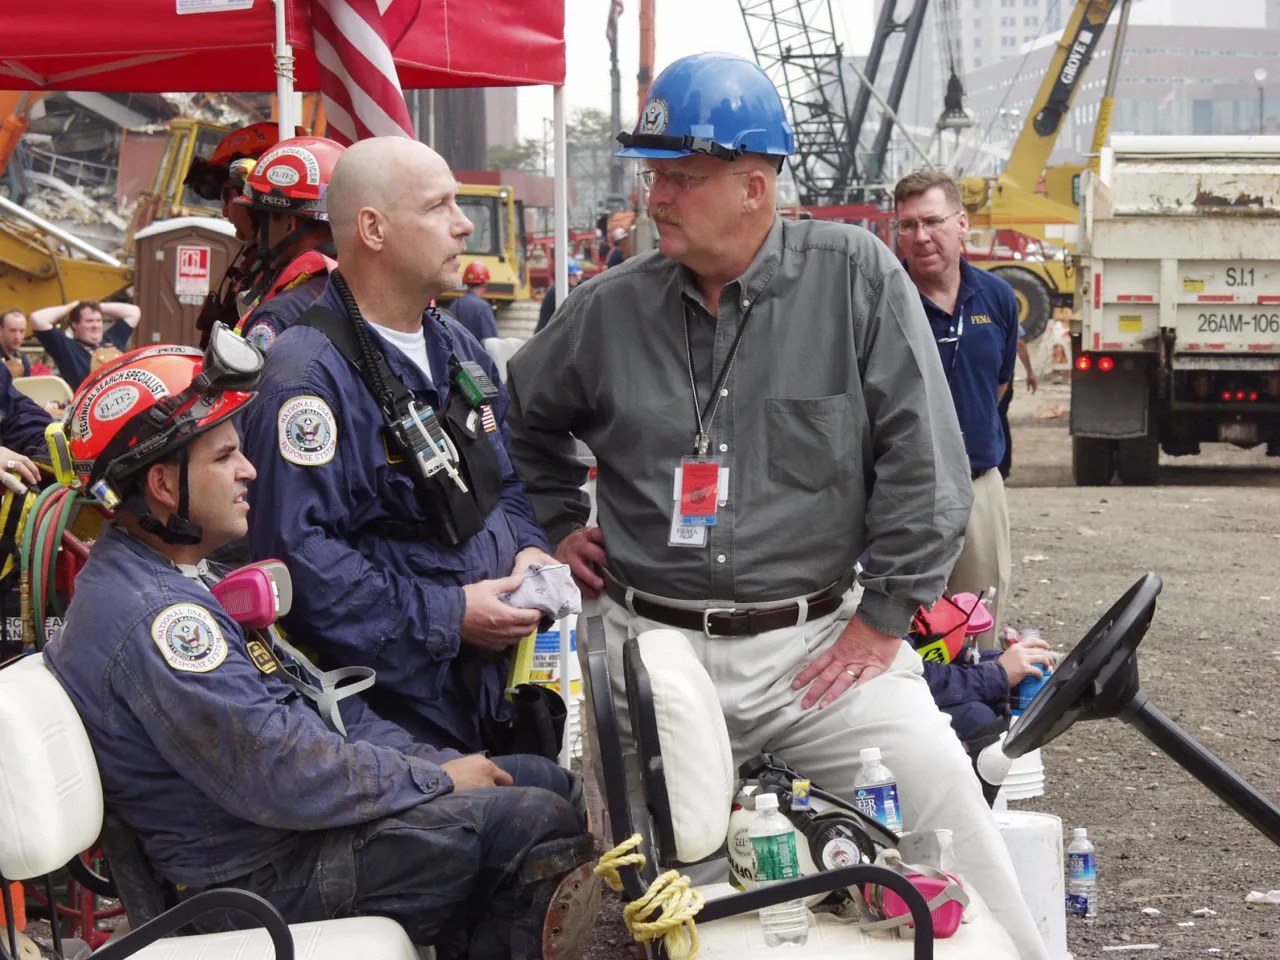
pixel 1074 51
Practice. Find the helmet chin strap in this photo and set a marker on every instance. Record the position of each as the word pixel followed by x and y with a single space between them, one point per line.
pixel 178 530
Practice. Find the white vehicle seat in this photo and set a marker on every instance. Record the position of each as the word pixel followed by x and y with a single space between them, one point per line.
pixel 51 809
pixel 689 781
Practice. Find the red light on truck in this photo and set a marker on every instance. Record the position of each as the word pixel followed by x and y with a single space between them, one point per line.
pixel 1254 395
pixel 1239 394
pixel 1106 364
pixel 1084 362
pixel 1226 395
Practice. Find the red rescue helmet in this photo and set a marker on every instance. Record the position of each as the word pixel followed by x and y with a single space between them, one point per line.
pixel 208 177
pixel 142 407
pixel 293 177
pixel 475 274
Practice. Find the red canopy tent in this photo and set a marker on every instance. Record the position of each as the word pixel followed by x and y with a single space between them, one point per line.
pixel 146 46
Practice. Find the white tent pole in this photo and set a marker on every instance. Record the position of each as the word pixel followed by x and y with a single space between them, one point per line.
pixel 561 198
pixel 285 112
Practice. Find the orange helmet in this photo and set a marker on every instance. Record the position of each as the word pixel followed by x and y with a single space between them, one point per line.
pixel 207 177
pixel 145 405
pixel 293 177
pixel 475 274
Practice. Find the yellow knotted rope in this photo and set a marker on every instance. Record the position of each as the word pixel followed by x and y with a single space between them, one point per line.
pixel 671 894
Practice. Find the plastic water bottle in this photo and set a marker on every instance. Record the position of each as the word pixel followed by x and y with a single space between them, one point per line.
pixel 1082 876
pixel 1027 689
pixel 875 791
pixel 774 844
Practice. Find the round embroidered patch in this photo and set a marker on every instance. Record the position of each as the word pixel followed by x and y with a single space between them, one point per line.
pixel 261 335
pixel 308 432
pixel 653 121
pixel 189 638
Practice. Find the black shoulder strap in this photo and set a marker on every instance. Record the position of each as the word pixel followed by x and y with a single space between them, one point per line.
pixel 343 336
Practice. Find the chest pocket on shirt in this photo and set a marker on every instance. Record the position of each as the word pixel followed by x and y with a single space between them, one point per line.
pixel 811 443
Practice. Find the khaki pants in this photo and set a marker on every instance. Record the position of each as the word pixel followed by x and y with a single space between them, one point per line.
pixel 986 559
pixel 895 712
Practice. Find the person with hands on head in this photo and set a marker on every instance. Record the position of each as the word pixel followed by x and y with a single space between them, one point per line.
pixel 88 347
pixel 206 749
pixel 390 492
pixel 764 401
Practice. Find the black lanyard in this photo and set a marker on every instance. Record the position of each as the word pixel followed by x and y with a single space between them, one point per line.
pixel 702 440
pixel 956 332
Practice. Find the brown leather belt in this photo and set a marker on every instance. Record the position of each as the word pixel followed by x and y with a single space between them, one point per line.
pixel 730 621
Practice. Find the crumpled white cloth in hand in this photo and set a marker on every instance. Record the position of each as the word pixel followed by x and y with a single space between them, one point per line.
pixel 547 587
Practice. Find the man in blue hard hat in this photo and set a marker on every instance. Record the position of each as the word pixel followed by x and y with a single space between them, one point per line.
pixel 765 402
pixel 548 307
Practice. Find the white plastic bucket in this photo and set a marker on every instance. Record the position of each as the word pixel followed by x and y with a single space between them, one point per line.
pixel 1025 778
pixel 1034 841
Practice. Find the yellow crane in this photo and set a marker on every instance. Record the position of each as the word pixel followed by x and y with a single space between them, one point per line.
pixel 1013 203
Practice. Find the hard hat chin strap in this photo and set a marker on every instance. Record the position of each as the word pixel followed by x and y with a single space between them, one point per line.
pixel 178 530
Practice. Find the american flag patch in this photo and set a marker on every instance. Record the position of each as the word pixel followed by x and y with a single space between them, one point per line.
pixel 487 418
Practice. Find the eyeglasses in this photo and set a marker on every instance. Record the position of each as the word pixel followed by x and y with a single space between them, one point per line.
pixel 682 182
pixel 930 224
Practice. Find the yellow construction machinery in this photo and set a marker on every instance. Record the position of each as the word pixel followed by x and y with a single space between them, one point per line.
pixel 498 241
pixel 1026 219
pixel 37 264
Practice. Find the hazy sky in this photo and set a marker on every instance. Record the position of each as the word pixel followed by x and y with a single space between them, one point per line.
pixel 682 27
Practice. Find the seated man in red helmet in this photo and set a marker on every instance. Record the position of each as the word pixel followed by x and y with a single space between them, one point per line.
pixel 471 309
pixel 210 754
pixel 285 194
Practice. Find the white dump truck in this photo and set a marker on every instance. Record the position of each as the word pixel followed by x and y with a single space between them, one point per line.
pixel 1176 337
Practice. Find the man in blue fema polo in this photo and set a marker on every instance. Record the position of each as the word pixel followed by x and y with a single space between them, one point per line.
pixel 974 317
pixel 788 367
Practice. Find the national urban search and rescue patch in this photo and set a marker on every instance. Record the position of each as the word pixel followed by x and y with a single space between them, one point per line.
pixel 189 638
pixel 308 432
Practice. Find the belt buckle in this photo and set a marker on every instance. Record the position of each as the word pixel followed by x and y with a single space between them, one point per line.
pixel 707 614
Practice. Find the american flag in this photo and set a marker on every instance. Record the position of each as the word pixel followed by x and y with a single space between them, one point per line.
pixel 487 418
pixel 362 96
pixel 611 28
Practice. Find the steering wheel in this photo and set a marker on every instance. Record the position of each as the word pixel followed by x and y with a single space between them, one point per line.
pixel 1098 678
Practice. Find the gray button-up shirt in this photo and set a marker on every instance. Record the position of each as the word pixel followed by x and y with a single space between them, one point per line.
pixel 837 425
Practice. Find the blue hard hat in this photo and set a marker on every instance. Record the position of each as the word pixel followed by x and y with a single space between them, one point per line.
pixel 715 103
pixel 574 267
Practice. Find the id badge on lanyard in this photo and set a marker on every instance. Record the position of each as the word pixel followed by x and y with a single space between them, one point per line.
pixel 700 489
pixel 701 483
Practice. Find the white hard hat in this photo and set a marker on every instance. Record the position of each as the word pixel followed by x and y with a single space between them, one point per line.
pixel 619 233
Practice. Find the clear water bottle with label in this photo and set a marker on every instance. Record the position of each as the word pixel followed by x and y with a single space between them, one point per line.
pixel 875 791
pixel 1082 876
pixel 774 844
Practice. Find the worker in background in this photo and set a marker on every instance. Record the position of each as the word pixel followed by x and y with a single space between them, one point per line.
pixel 602 227
pixel 548 307
pixel 221 177
pixel 286 192
pixel 618 254
pixel 207 751
pixel 88 347
pixel 400 549
pixel 471 309
pixel 13 331
pixel 793 414
pixel 1033 384
pixel 974 317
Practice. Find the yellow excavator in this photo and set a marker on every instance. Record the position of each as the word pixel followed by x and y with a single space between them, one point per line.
pixel 1029 229
pixel 41 264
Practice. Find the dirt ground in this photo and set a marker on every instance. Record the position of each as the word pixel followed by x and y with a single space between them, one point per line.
pixel 1211 662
